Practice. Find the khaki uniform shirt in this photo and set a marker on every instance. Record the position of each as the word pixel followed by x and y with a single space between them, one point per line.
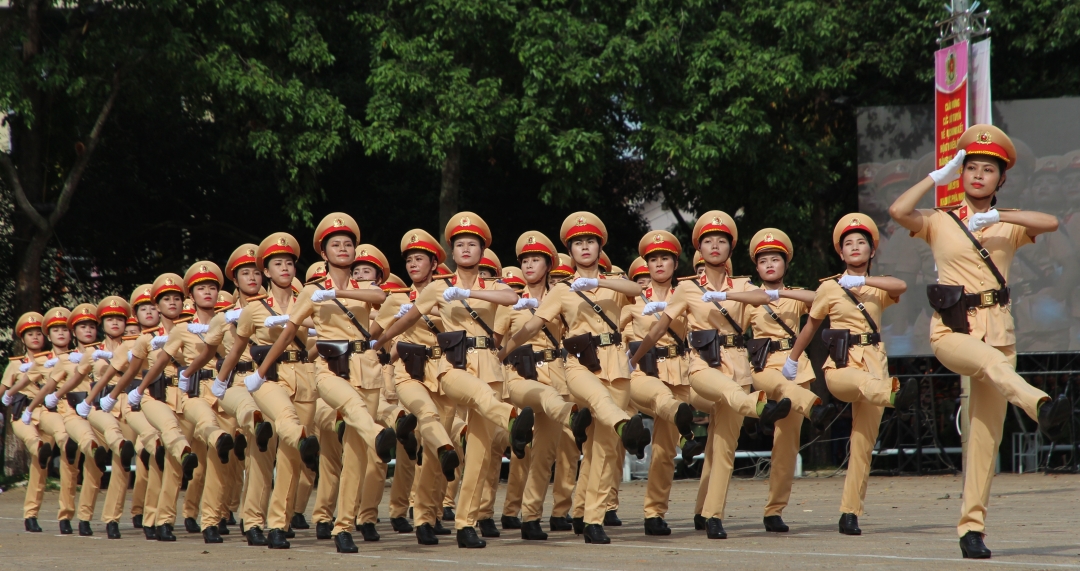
pixel 65 369
pixel 790 311
pixel 509 321
pixel 481 363
pixel 831 301
pixel 184 346
pixel 702 316
pixel 12 374
pixel 635 326
pixel 419 334
pixel 141 349
pixel 331 324
pixel 295 377
pixel 960 264
pixel 581 319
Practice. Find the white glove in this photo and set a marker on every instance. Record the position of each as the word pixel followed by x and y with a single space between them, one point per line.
pixel 714 296
pixel 26 417
pixel 371 344
pixel 51 400
pixel 585 284
pixel 981 220
pixel 848 282
pixel 774 294
pixel 312 333
pixel 7 399
pixel 107 403
pixel 51 363
pixel 630 361
pixel 323 295
pixel 253 382
pixel 184 383
pixel 455 293
pixel 197 328
pixel 158 342
pixel 232 315
pixel 100 354
pixel 951 170
pixel 218 388
pixel 527 303
pixel 790 368
pixel 75 357
pixel 134 397
pixel 405 307
pixel 130 356
pixel 25 367
pixel 83 409
pixel 654 307
pixel 275 320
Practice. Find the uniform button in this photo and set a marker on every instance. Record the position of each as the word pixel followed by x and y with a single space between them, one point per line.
pixel 981 282
pixel 978 266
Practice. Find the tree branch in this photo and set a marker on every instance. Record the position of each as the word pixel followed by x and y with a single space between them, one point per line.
pixel 20 194
pixel 64 201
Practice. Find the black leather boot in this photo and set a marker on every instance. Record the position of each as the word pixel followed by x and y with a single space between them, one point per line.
pixel 447 513
pixel 633 433
pixel 102 458
pixel 775 411
pixel 823 415
pixel 1052 414
pixel 255 536
pixel 231 520
pixel 404 432
pixel 189 462
pixel 299 521
pixel 65 527
pixel 309 455
pixel 136 521
pixel 71 451
pixel 775 523
pixel 425 535
pixel 276 540
pixel 401 525
pixel 240 446
pixel 849 524
pixel 907 395
pixel 581 421
pixel 699 522
pixel 323 529
pixel 594 533
pixel 466 537
pixel 224 446
pixel 84 529
pixel 339 428
pixel 164 533
pixel 112 530
pixel 264 431
pixel 32 525
pixel 44 454
pixel 144 456
pixel 191 526
pixel 656 526
pixel 211 535
pixel 530 530
pixel 439 529
pixel 385 443
pixel 692 448
pixel 290 534
pixel 150 533
pixel 223 527
pixel 127 454
pixel 159 459
pixel 487 528
pixel 368 531
pixel 972 546
pixel 611 519
pixel 511 522
pixel 578 523
pixel 344 543
pixel 522 432
pixel 559 524
pixel 684 419
pixel 714 528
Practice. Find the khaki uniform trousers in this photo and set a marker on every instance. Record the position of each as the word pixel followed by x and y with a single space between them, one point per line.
pixel 661 401
pixel 994 384
pixel 358 453
pixel 494 475
pixel 167 422
pixel 786 433
pixel 375 472
pixel 80 431
pixel 35 486
pixel 51 424
pixel 329 463
pixel 459 431
pixel 567 457
pixel 725 423
pixel 436 419
pixel 289 470
pixel 113 509
pixel 145 437
pixel 537 464
pixel 517 480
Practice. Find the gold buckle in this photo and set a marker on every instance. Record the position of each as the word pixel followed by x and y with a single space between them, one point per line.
pixel 481 342
pixel 864 339
pixel 672 352
pixel 548 355
pixel 986 299
pixel 785 344
pixel 436 352
pixel 358 346
pixel 606 339
pixel 292 355
pixel 729 340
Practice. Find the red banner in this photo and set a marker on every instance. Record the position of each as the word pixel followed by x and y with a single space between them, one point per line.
pixel 950 113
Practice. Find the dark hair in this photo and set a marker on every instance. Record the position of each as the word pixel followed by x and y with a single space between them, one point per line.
pixel 1001 163
pixel 322 245
pixel 778 253
pixel 865 234
pixel 483 243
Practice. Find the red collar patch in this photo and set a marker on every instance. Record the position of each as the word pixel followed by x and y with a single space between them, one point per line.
pixel 412 295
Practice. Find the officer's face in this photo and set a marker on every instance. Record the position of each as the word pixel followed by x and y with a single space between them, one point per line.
pixel 981 178
pixel 86 332
pixel 170 305
pixel 60 335
pixel 132 330
pixel 487 273
pixel 280 270
pixel 148 315
pixel 339 250
pixel 643 280
pixel 855 250
pixel 715 248
pixel 419 265
pixel 585 251
pixel 365 273
pixel 553 279
pixel 467 251
pixel 699 270
pixel 34 339
pixel 113 326
pixel 535 267
pixel 205 295
pixel 661 266
pixel 771 267
pixel 248 279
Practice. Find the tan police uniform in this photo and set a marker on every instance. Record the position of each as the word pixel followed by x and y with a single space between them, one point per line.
pixel 37 444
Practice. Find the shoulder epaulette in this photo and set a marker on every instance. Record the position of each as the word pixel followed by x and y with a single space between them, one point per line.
pixel 740 277
pixel 443 277
pixel 43 354
pixel 794 287
pixel 130 337
pixel 20 358
pixel 398 290
pixel 314 280
pixel 684 278
pixel 830 278
pixel 150 331
pixel 183 320
pixel 257 297
pixel 948 208
pixel 1007 209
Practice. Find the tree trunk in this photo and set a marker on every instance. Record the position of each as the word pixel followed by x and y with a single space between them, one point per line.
pixel 28 282
pixel 451 183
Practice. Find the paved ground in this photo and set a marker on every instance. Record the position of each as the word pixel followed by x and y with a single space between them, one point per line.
pixel 910 524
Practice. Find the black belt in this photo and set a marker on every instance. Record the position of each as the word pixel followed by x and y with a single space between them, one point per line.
pixel 244 367
pixel 864 338
pixel 730 340
pixel 669 352
pixel 433 351
pixel 296 356
pixel 606 339
pixel 987 298
pixel 784 344
pixel 358 346
pixel 549 355
pixel 203 375
pixel 480 343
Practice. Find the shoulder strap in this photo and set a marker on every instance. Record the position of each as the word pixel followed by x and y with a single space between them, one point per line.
pixel 776 318
pixel 352 317
pixel 723 311
pixel 547 331
pixel 983 252
pixel 862 308
pixel 476 317
pixel 295 339
pixel 675 336
pixel 431 324
pixel 599 311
